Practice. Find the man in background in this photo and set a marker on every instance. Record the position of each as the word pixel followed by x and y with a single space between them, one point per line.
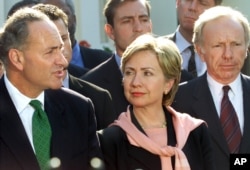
pixel 100 97
pixel 126 20
pixel 83 57
pixel 188 12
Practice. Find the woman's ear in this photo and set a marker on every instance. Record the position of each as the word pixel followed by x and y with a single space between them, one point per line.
pixel 168 86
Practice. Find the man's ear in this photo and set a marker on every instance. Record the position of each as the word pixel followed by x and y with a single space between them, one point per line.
pixel 177 3
pixel 109 31
pixel 200 52
pixel 16 58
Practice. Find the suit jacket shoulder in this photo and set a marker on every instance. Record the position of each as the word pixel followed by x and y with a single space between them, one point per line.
pixel 103 71
pixel 171 36
pixel 76 71
pixel 93 57
pixel 100 97
pixel 108 76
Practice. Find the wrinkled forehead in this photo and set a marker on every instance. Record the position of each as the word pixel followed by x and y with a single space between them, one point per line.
pixel 42 32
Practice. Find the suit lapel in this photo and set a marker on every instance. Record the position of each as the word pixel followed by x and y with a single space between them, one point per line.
pixel 58 121
pixel 115 70
pixel 14 135
pixel 205 109
pixel 73 84
pixel 113 80
pixel 172 36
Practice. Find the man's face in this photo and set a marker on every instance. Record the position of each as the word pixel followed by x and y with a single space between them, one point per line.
pixel 71 17
pixel 63 30
pixel 43 62
pixel 131 20
pixel 225 51
pixel 188 12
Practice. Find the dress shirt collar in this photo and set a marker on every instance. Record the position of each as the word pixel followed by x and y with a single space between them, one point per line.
pixel 20 100
pixel 216 88
pixel 181 42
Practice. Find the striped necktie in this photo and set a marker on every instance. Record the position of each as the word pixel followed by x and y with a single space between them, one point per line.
pixel 230 123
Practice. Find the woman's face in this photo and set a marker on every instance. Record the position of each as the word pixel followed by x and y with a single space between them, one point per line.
pixel 144 81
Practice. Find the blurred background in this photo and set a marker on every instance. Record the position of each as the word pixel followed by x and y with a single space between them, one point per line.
pixel 90 20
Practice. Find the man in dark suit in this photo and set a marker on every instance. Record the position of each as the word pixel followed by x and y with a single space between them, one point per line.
pixel 76 70
pixel 82 56
pixel 31 50
pixel 100 97
pixel 122 30
pixel 188 12
pixel 224 53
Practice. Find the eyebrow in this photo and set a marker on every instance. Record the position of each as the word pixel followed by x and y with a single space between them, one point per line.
pixel 131 17
pixel 143 68
pixel 56 47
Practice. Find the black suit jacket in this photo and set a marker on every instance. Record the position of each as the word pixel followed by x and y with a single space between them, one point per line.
pixel 72 121
pixel 100 97
pixel 93 57
pixel 76 70
pixel 119 154
pixel 196 99
pixel 108 76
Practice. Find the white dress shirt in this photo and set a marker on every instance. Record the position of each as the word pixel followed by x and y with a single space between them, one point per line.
pixel 235 95
pixel 24 110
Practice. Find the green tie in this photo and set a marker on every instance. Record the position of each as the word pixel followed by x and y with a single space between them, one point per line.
pixel 41 135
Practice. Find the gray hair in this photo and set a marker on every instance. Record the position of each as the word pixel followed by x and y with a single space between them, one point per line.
pixel 15 32
pixel 215 13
